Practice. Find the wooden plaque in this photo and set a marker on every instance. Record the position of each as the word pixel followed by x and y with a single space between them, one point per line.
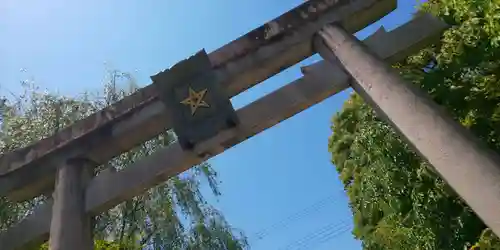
pixel 200 107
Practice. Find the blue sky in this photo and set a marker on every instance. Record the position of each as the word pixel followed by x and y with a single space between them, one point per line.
pixel 279 185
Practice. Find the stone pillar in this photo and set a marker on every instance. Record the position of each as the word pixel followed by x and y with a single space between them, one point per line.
pixel 467 165
pixel 71 227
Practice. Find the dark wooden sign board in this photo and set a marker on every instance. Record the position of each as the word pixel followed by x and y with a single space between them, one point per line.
pixel 200 107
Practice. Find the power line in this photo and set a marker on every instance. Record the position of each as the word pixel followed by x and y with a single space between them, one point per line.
pixel 326 237
pixel 293 217
pixel 330 230
pixel 304 212
pixel 332 227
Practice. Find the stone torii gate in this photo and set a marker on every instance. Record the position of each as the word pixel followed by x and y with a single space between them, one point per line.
pixel 206 124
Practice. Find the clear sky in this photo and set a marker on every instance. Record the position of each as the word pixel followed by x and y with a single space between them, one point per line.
pixel 279 187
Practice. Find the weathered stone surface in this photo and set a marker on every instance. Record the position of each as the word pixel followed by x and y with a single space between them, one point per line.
pixel 285 25
pixel 200 107
pixel 87 131
pixel 239 65
pixel 267 33
pixel 320 81
pixel 71 226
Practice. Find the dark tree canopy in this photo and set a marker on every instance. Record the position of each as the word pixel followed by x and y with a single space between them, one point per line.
pixel 398 201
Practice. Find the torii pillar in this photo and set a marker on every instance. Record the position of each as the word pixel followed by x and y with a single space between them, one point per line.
pixel 467 165
pixel 71 226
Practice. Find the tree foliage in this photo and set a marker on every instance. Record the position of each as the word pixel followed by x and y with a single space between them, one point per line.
pixel 98 245
pixel 173 215
pixel 397 199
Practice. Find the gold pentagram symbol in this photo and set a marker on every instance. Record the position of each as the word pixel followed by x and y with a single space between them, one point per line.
pixel 195 100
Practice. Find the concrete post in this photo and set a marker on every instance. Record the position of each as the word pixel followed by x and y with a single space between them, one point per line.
pixel 71 227
pixel 470 168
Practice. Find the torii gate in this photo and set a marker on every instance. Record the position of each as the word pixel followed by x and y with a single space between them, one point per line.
pixel 322 26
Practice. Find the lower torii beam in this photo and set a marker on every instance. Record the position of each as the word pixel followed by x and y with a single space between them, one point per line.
pixel 469 167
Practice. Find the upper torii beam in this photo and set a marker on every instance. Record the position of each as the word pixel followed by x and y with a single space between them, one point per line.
pixel 246 61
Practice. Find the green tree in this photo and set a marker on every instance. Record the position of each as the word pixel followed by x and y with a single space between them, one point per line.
pixel 98 245
pixel 173 215
pixel 398 200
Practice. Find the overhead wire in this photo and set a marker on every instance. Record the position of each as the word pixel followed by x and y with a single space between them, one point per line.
pixel 333 228
pixel 294 217
pixel 323 238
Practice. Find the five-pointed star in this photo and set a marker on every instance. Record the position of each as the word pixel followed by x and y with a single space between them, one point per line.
pixel 195 100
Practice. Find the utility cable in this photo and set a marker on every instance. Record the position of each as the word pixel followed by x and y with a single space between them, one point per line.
pixel 325 238
pixel 330 229
pixel 295 216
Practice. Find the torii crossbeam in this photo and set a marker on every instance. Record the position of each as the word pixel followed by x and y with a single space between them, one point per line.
pixel 318 83
pixel 323 26
pixel 244 62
